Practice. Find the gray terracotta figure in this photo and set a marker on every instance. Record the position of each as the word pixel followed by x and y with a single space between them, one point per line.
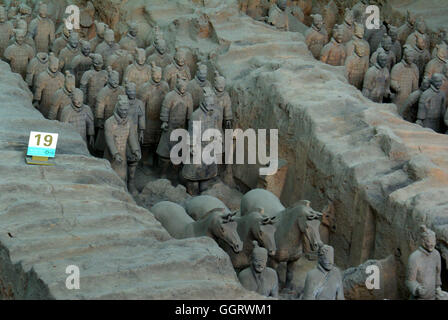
pixel 81 62
pixel 423 270
pixel 42 29
pixel 437 64
pixel 47 83
pixel 153 41
pixel 404 78
pixel 108 46
pixel 71 50
pixel 386 47
pixel 356 65
pixel 93 80
pixel 357 37
pixel 377 80
pixel 375 36
pixel 296 11
pixel 38 64
pixel 422 55
pixel 316 36
pixel 105 104
pixel 19 54
pixel 175 113
pixel 347 27
pixel 152 94
pixel 277 15
pixel 80 116
pixel 443 42
pixel 119 137
pixel 13 10
pixel 420 30
pixel 223 100
pixel 258 277
pixel 62 97
pixel 407 28
pixel 333 53
pixel 86 17
pixel 25 13
pixel 62 41
pixel 432 105
pixel 196 86
pixel 325 281
pixel 330 16
pixel 444 86
pixel 256 9
pixel 138 72
pixel 359 11
pixel 396 45
pixel 410 107
pixel 129 41
pixel 160 56
pixel 119 61
pixel 6 31
pixel 177 67
pixel 100 28
pixel 21 24
pixel 136 116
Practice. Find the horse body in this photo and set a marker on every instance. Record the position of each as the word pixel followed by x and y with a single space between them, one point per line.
pixel 257 199
pixel 199 206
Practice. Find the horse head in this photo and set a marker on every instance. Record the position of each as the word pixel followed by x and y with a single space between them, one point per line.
pixel 224 228
pixel 263 230
pixel 308 223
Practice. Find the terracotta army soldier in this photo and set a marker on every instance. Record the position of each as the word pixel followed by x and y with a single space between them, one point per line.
pixel 386 47
pixel 160 56
pixel 437 64
pixel 278 16
pixel 356 65
pixel 47 83
pixel 258 277
pixel 80 116
pixel 325 281
pixel 93 80
pixel 118 135
pixel 410 107
pixel 330 16
pixel 421 32
pixel 375 36
pixel 347 27
pixel 42 29
pixel 422 55
pixel 444 43
pixel 13 10
pixel 99 38
pixel 396 45
pixel 136 117
pixel 423 270
pixel 404 78
pixel 138 72
pixel 333 53
pixel 223 100
pixel 108 46
pixel 71 50
pixel 357 37
pixel 81 62
pixel 105 104
pixel 119 61
pixel 21 24
pixel 359 11
pixel 61 42
pixel 432 105
pixel 407 28
pixel 19 54
pixel 152 94
pixel 177 67
pixel 257 9
pixel 25 13
pixel 37 65
pixel 154 40
pixel 444 86
pixel 377 80
pixel 196 86
pixel 87 14
pixel 62 97
pixel 129 42
pixel 6 31
pixel 316 36
pixel 176 110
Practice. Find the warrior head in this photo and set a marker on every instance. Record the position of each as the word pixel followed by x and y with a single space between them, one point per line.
pixel 140 56
pixel 109 37
pixel 131 89
pixel 220 82
pixel 318 21
pixel 326 257
pixel 69 83
pixel 179 57
pixel 259 258
pixel 85 48
pixel 428 238
pixel 77 98
pixel 156 73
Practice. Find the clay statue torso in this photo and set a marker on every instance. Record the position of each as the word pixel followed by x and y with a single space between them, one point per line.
pixel 431 108
pixel 333 53
pixel 321 284
pixel 80 118
pixel 265 283
pixel 46 85
pixel 60 99
pixel 376 83
pixel 91 83
pixel 172 71
pixel 19 56
pixel 160 60
pixel 195 88
pixel 37 65
pixel 79 66
pixel 406 76
pixel 6 32
pixel 316 40
pixel 356 67
pixel 43 31
pixel 138 74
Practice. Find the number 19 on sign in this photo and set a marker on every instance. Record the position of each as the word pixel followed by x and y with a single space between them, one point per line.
pixel 41 146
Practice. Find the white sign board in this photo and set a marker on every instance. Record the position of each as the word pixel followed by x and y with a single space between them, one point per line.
pixel 42 144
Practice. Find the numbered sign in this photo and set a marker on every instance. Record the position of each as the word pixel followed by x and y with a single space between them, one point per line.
pixel 42 144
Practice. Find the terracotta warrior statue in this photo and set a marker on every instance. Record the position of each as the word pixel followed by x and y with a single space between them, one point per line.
pixel 21 24
pixel 129 42
pixel 333 53
pixel 160 56
pixel 404 77
pixel 357 37
pixel 347 27
pixel 80 116
pixel 423 270
pixel 119 137
pixel 443 42
pixel 62 97
pixel 421 32
pixel 81 62
pixel 410 107
pixel 19 54
pixel 325 281
pixel 38 64
pixel 6 31
pixel 42 29
pixel 396 45
pixel 47 83
pixel 119 61
pixel 407 28
pixel 177 67
pixel 256 9
pixel 196 86
pixel 138 72
pixel 316 36
pixel 156 36
pixel 359 11
pixel 62 41
pixel 330 16
pixel 377 80
pixel 356 65
pixel 386 47
pixel 437 64
pixel 278 16
pixel 422 55
pixel 105 104
pixel 71 50
pixel 100 28
pixel 177 108
pixel 152 94
pixel 223 100
pixel 432 105
pixel 93 80
pixel 258 277
pixel 108 46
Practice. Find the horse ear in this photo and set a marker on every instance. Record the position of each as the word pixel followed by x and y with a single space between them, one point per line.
pixel 266 220
pixel 305 203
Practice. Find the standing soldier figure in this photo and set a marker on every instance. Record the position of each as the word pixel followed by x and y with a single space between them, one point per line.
pixel 422 55
pixel 160 56
pixel 129 42
pixel 118 135
pixel 62 97
pixel 6 31
pixel 432 105
pixel 119 61
pixel 93 80
pixel 152 94
pixel 19 54
pixel 377 80
pixel 62 41
pixel 333 53
pixel 177 108
pixel 407 28
pixel 100 29
pixel 154 40
pixel 396 45
pixel 42 29
pixel 196 86
pixel 80 116
pixel 177 68
pixel 138 72
pixel 410 106
pixel 38 64
pixel 356 65
pixel 404 78
pixel 386 47
pixel 357 37
pixel 108 46
pixel 70 51
pixel 316 36
pixel 437 64
pixel 347 27
pixel 81 62
pixel 419 32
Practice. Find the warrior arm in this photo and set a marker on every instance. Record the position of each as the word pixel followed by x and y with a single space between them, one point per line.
pixel 109 137
pixel 100 105
pixel 308 290
pixel 141 118
pixel 83 83
pixel 39 88
pixel 55 105
pixel 30 74
pixel 421 115
pixel 90 121
pixel 411 276
pixel 165 110
pixel 133 142
pixel 52 32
